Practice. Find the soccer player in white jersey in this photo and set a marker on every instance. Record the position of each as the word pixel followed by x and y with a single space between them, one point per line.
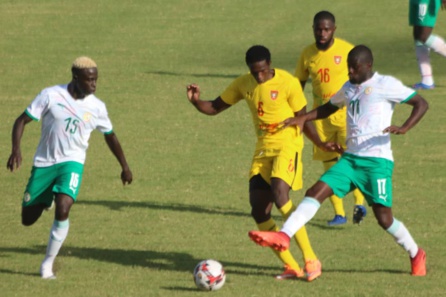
pixel 69 113
pixel 367 163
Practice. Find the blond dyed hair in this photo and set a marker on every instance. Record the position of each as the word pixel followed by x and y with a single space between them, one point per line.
pixel 84 63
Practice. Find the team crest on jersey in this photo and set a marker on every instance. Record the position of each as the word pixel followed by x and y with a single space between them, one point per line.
pixel 86 117
pixel 337 59
pixel 368 90
pixel 26 197
pixel 274 95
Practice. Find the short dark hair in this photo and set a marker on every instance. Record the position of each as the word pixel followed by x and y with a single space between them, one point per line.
pixel 363 53
pixel 257 53
pixel 324 15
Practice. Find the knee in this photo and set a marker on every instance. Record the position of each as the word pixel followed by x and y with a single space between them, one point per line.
pixel 385 221
pixel 280 196
pixel 260 215
pixel 31 214
pixel 62 214
pixel 28 221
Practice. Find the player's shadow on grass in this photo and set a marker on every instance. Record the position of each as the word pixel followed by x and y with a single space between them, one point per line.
pixel 119 205
pixel 156 261
pixel 169 261
pixel 170 73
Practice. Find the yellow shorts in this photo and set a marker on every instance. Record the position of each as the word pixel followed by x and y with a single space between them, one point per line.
pixel 331 129
pixel 285 164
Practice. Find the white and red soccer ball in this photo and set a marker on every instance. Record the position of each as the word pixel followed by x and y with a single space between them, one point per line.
pixel 209 275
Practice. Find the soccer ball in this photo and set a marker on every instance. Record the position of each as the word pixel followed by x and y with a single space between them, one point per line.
pixel 209 275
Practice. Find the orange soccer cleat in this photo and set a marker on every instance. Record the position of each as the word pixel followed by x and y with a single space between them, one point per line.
pixel 290 273
pixel 313 269
pixel 277 240
pixel 418 263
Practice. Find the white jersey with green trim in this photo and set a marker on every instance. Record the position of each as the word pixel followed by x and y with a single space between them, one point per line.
pixel 370 107
pixel 66 125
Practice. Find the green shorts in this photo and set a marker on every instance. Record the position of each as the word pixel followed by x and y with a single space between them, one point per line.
pixel 372 176
pixel 423 12
pixel 62 178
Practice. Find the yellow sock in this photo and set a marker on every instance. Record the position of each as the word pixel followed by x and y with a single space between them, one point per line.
pixel 337 203
pixel 359 198
pixel 301 236
pixel 284 256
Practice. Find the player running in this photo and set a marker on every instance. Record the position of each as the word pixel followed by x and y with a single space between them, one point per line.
pixel 69 113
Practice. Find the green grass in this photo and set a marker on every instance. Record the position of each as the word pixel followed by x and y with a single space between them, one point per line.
pixel 189 198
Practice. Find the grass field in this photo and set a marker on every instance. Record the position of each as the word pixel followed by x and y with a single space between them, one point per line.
pixel 189 198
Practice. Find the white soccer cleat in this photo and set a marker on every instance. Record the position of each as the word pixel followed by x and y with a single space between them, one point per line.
pixel 47 273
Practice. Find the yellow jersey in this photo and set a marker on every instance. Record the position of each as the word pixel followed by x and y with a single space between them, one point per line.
pixel 327 69
pixel 270 103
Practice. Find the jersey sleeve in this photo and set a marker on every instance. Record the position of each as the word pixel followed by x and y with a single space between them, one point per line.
pixel 302 72
pixel 233 93
pixel 396 91
pixel 296 98
pixel 104 124
pixel 38 106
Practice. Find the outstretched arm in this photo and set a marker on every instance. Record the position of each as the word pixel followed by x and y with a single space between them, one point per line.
pixel 207 107
pixel 419 108
pixel 311 133
pixel 114 145
pixel 321 112
pixel 15 159
pixel 309 129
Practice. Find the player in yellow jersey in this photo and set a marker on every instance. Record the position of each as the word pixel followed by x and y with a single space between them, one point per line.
pixel 272 95
pixel 325 62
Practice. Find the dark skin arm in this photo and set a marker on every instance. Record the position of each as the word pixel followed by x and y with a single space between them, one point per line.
pixel 15 159
pixel 419 108
pixel 213 107
pixel 302 121
pixel 321 112
pixel 114 145
pixel 309 129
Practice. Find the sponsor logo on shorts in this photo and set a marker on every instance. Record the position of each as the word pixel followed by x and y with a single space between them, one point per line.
pixel 26 197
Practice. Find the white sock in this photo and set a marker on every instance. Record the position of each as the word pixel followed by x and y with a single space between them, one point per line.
pixel 424 63
pixel 403 237
pixel 437 44
pixel 59 232
pixel 304 212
